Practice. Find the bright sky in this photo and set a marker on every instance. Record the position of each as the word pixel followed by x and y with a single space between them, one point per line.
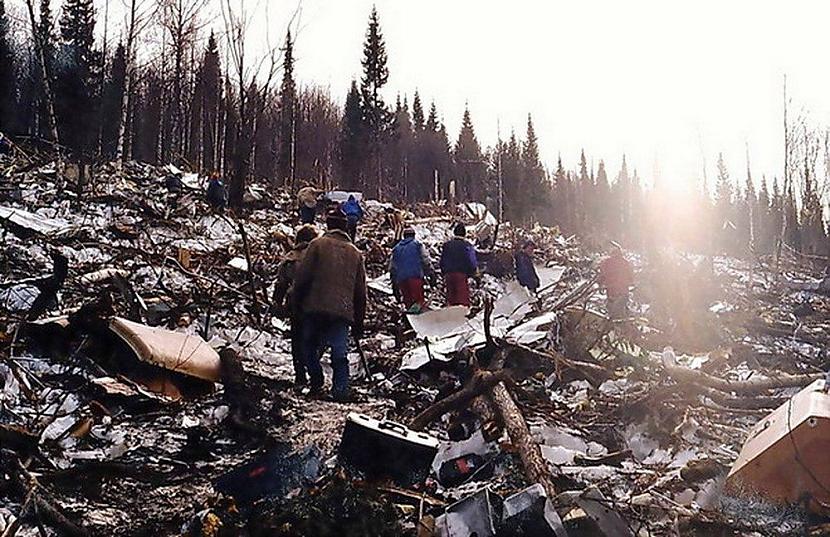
pixel 667 83
pixel 664 82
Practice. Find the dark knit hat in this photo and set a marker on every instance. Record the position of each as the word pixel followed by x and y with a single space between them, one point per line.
pixel 306 233
pixel 459 230
pixel 336 219
pixel 409 231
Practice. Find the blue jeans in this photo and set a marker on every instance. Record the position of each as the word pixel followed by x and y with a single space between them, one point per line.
pixel 320 332
pixel 307 214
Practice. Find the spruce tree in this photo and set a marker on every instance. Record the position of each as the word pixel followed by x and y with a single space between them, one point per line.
pixel 534 187
pixel 78 78
pixel 763 230
pixel 211 80
pixel 111 101
pixel 469 165
pixel 603 195
pixel 287 115
pixel 417 113
pixel 376 117
pixel 352 141
pixel 401 145
pixel 7 80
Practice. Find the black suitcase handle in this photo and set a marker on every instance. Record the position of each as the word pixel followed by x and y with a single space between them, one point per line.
pixel 392 426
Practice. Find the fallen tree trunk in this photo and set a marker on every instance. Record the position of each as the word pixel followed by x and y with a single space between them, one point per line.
pixel 535 465
pixel 745 387
pixel 481 382
pixel 594 373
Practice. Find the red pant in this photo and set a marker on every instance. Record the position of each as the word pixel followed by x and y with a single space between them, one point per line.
pixel 458 291
pixel 412 292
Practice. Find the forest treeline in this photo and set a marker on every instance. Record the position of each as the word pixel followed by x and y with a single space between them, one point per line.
pixel 189 97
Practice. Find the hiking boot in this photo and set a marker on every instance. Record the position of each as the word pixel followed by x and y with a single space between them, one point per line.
pixel 343 397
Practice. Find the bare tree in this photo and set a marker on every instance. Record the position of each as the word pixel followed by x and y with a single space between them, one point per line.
pixel 253 79
pixel 181 19
pixel 139 16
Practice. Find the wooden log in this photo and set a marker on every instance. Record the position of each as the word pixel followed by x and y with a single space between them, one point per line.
pixel 745 387
pixel 480 383
pixel 491 424
pixel 535 466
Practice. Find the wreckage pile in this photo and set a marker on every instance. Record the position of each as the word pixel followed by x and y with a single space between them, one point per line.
pixel 144 386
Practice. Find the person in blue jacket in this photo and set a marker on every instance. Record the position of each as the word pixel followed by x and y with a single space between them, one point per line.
pixel 525 271
pixel 354 213
pixel 458 262
pixel 409 264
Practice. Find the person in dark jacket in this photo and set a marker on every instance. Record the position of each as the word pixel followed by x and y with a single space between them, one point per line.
pixel 283 305
pixel 354 214
pixel 409 264
pixel 307 201
pixel 617 276
pixel 525 271
pixel 458 262
pixel 217 194
pixel 330 287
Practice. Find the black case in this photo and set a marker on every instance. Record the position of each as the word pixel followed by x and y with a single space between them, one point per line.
pixel 275 473
pixel 380 449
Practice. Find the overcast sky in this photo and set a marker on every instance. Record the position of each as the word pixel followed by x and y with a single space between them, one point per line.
pixel 666 83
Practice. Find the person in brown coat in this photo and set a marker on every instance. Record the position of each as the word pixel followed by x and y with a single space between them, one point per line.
pixel 330 287
pixel 282 303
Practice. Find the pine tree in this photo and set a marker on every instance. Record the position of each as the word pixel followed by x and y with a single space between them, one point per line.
pixel 603 195
pixel 469 165
pixel 287 116
pixel 533 175
pixel 352 141
pixel 211 80
pixel 417 113
pixel 401 144
pixel 512 178
pixel 111 101
pixel 763 224
pixel 375 116
pixel 7 80
pixel 724 213
pixel 78 78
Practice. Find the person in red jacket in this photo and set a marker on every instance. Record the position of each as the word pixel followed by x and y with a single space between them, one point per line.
pixel 616 276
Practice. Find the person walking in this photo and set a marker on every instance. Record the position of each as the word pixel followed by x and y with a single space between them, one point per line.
pixel 525 271
pixel 408 266
pixel 354 214
pixel 283 304
pixel 307 199
pixel 616 276
pixel 330 287
pixel 458 262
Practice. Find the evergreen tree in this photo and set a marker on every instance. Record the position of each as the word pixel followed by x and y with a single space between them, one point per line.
pixel 724 214
pixel 375 116
pixel 400 147
pixel 764 241
pixel 111 101
pixel 417 113
pixel 7 80
pixel 603 196
pixel 287 116
pixel 78 78
pixel 469 165
pixel 352 141
pixel 533 182
pixel 813 236
pixel 512 178
pixel 211 94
